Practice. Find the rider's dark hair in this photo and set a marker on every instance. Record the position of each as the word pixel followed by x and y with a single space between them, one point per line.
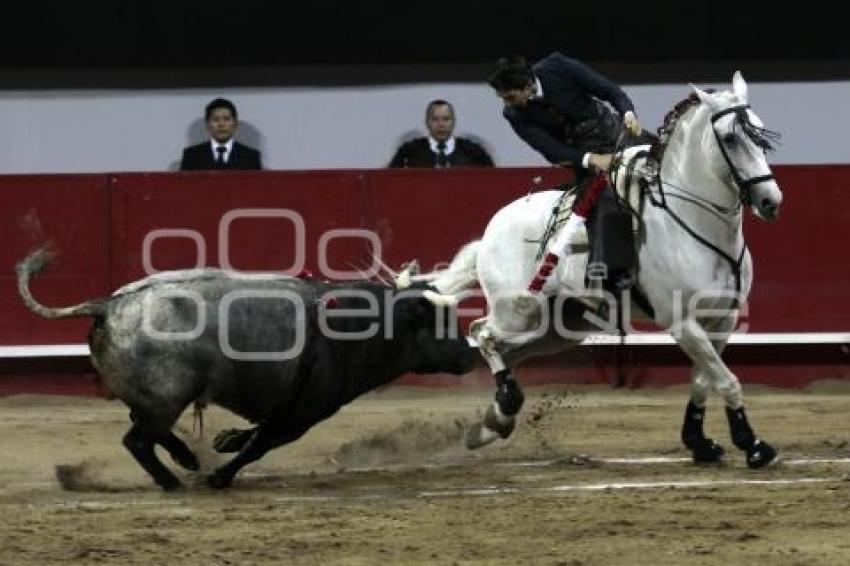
pixel 510 73
pixel 219 103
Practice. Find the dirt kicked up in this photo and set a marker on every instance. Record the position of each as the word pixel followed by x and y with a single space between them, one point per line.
pixel 591 476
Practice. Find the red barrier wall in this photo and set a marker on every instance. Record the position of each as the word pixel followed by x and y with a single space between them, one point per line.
pixel 72 212
pixel 99 224
pixel 802 262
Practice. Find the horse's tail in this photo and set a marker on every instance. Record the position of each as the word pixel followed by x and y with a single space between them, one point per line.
pixel 461 274
pixel 34 263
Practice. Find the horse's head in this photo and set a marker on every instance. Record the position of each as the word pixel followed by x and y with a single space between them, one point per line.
pixel 738 150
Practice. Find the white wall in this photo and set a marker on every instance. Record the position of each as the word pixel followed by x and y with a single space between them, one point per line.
pixel 356 127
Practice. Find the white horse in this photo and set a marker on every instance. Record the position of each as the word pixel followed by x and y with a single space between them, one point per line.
pixel 694 266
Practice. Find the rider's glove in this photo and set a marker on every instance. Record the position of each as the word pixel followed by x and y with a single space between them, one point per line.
pixel 631 123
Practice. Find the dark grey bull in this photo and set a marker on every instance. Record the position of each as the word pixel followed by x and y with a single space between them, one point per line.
pixel 282 352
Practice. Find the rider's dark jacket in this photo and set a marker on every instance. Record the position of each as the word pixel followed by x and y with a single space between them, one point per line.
pixel 570 118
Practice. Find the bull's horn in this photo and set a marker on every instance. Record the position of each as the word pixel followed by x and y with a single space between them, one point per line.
pixel 404 279
pixel 384 266
pixel 441 300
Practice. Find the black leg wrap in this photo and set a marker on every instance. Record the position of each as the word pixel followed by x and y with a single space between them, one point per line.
pixel 760 454
pixel 707 452
pixel 739 428
pixel 508 394
pixel 704 450
pixel 692 434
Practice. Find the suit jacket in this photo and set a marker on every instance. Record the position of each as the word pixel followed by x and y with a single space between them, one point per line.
pixel 200 157
pixel 417 153
pixel 569 92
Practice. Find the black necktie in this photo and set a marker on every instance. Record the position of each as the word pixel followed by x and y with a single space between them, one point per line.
pixel 442 158
pixel 219 162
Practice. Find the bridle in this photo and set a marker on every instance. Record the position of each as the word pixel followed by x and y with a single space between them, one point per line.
pixel 745 185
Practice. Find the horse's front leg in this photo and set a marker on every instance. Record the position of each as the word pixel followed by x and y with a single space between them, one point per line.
pixel 500 417
pixel 696 343
pixel 704 450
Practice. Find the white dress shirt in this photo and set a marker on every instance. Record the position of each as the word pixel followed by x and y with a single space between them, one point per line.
pixel 228 145
pixel 450 145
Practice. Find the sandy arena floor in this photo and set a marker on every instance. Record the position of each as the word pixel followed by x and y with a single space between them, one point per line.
pixel 591 476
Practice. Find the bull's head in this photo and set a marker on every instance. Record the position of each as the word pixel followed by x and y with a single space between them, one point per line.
pixel 441 345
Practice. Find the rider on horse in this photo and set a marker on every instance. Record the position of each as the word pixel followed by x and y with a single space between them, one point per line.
pixel 557 107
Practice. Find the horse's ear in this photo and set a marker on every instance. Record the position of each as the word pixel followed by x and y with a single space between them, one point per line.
pixel 704 97
pixel 739 86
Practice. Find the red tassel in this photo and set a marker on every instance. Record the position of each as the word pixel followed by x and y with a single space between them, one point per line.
pixel 543 273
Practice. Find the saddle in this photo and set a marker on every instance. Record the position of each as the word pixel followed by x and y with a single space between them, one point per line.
pixel 610 240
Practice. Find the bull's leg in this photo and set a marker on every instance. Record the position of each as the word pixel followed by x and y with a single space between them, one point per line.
pixel 696 343
pixel 140 440
pixel 263 439
pixel 179 452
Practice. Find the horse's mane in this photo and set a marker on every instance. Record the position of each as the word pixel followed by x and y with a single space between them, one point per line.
pixel 671 119
pixel 764 138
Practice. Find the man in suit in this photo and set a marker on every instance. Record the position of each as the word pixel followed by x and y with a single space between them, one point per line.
pixel 221 151
pixel 441 148
pixel 558 107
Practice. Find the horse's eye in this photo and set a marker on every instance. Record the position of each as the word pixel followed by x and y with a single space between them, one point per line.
pixel 730 139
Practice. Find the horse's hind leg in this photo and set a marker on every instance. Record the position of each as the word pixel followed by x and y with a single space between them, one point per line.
pixel 705 353
pixel 500 417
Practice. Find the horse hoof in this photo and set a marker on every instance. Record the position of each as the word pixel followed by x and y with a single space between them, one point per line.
pixel 503 425
pixel 761 455
pixel 708 452
pixel 479 435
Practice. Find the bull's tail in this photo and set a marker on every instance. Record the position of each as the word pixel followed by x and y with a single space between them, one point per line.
pixel 32 265
pixel 462 272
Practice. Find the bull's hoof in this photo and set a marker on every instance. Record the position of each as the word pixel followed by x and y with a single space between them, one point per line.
pixel 761 455
pixel 479 435
pixel 219 481
pixel 231 440
pixel 169 483
pixel 707 452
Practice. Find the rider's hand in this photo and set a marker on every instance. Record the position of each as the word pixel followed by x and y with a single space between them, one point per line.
pixel 631 123
pixel 600 161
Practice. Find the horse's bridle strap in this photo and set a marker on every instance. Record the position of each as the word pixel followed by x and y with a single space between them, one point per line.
pixel 744 184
